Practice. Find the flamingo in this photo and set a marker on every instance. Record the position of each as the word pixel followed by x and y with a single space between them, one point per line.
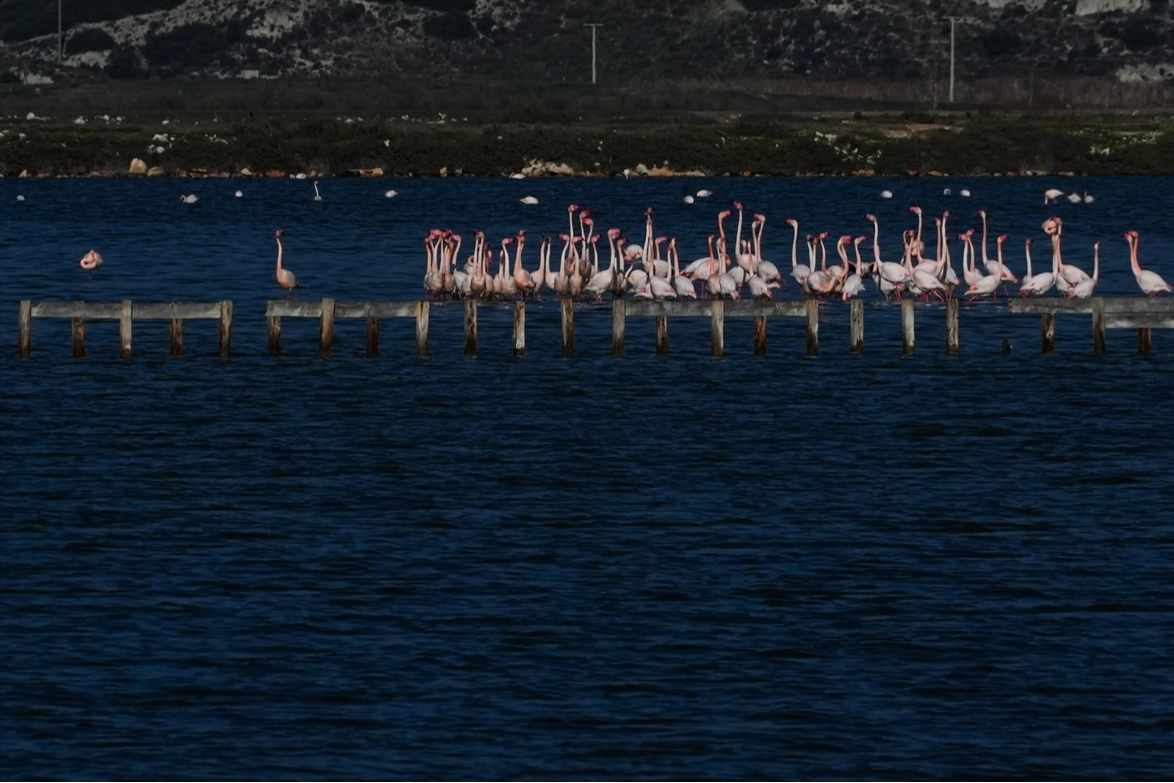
pixel 1069 275
pixel 523 279
pixel 886 194
pixel 986 285
pixel 688 199
pixel 285 278
pixel 191 198
pixel 1149 282
pixel 683 285
pixel 964 193
pixel 1087 198
pixel 91 261
pixel 703 193
pixel 390 194
pixel 528 200
pixel 855 282
pixel 238 194
pixel 765 269
pixel 1084 289
pixel 1035 285
pixel 798 271
pixel 1051 194
pixel 317 195
pixel 1074 198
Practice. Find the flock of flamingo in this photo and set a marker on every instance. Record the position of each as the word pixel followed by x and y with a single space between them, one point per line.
pixel 652 269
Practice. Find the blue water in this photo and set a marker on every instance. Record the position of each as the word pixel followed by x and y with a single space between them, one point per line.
pixel 848 566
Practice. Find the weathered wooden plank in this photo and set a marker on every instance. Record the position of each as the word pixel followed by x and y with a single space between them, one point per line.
pixel 662 335
pixel 1117 305
pixel 326 327
pixel 124 328
pixel 812 326
pixel 652 308
pixel 619 309
pixel 291 308
pixel 698 308
pixel 749 308
pixel 520 328
pixel 421 329
pixel 225 341
pixel 717 328
pixel 78 335
pixel 1098 325
pixel 951 325
pixel 908 337
pixel 1047 329
pixel 567 318
pixel 470 328
pixel 169 311
pixel 375 309
pixel 79 309
pixel 760 335
pixel 372 335
pixel 1139 321
pixel 176 343
pixel 856 326
pixel 24 344
pixel 273 334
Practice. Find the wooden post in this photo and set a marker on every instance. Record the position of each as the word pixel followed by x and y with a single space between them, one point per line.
pixel 717 328
pixel 1047 332
pixel 273 327
pixel 470 328
pixel 856 326
pixel 760 335
pixel 326 327
pixel 225 341
pixel 1143 340
pixel 124 316
pixel 951 325
pixel 421 329
pixel 908 339
pixel 79 337
pixel 618 317
pixel 567 311
pixel 176 337
pixel 812 327
pixel 372 335
pixel 520 328
pixel 662 335
pixel 1098 325
pixel 25 331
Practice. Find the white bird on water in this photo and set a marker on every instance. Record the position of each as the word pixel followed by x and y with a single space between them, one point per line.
pixel 1051 194
pixel 886 194
pixel 704 193
pixel 1074 198
pixel 964 193
pixel 20 198
pixel 688 199
pixel 528 200
pixel 1087 198
pixel 517 176
pixel 238 194
pixel 946 192
pixel 191 198
pixel 390 194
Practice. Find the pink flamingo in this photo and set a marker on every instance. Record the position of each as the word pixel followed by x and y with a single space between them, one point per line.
pixel 1149 282
pixel 91 261
pixel 285 278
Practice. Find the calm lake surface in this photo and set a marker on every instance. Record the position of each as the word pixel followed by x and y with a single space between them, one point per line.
pixel 849 566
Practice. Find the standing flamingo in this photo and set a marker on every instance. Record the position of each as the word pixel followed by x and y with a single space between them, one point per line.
pixel 1084 289
pixel 317 195
pixel 1035 285
pixel 285 278
pixel 1149 282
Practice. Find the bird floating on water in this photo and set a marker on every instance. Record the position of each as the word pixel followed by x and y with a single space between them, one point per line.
pixel 391 194
pixel 946 192
pixel 1087 198
pixel 704 193
pixel 688 199
pixel 20 198
pixel 238 194
pixel 1074 198
pixel 1051 194
pixel 91 261
pixel 964 193
pixel 517 176
pixel 528 200
pixel 886 194
pixel 190 198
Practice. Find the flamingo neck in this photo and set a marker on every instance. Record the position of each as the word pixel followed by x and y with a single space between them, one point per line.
pixel 985 259
pixel 876 241
pixel 795 248
pixel 278 254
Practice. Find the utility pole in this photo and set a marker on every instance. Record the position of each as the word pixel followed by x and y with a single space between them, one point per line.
pixel 593 28
pixel 953 20
pixel 60 40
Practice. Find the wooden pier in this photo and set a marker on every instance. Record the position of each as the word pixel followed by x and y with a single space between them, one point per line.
pixel 126 313
pixel 1105 313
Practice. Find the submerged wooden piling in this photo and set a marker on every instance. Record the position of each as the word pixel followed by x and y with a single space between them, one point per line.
pixel 717 328
pixel 176 337
pixel 225 342
pixel 759 335
pixel 618 317
pixel 124 321
pixel 812 323
pixel 1047 332
pixel 1098 325
pixel 1143 340
pixel 372 335
pixel 951 325
pixel 326 327
pixel 470 328
pixel 856 326
pixel 520 328
pixel 421 329
pixel 567 317
pixel 24 340
pixel 78 335
pixel 908 339
pixel 273 334
pixel 662 335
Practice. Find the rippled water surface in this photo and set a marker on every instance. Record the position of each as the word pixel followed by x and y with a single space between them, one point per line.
pixel 847 566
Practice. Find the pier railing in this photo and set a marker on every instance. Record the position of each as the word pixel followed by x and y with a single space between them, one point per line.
pixel 1106 313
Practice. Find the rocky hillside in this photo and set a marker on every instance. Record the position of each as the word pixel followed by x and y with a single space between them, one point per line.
pixel 862 40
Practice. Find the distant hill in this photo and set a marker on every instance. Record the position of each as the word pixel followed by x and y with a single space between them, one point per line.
pixel 874 41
